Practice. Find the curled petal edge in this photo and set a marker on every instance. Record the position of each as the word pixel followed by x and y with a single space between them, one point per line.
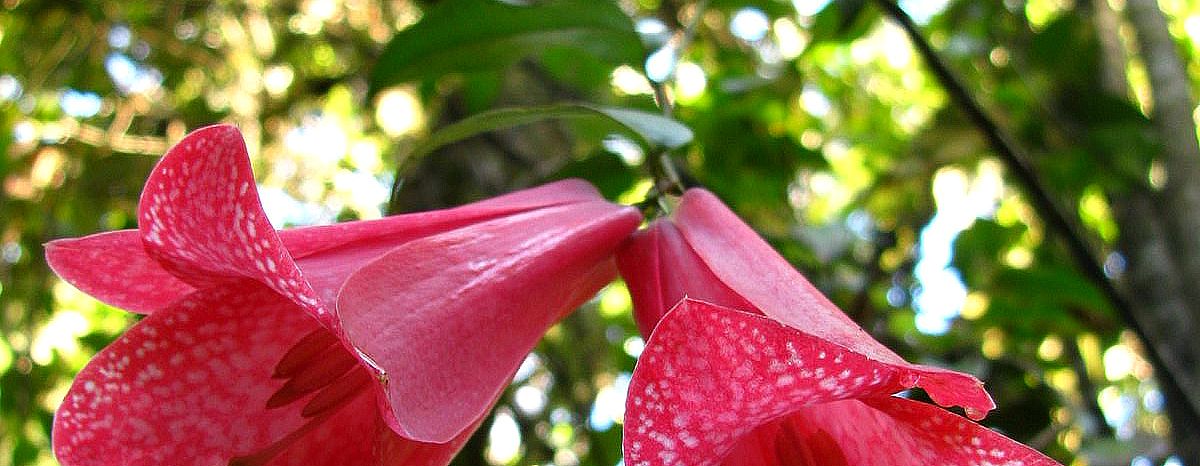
pixel 711 374
pixel 751 268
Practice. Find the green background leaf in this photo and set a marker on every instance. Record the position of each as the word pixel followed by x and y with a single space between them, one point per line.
pixel 470 35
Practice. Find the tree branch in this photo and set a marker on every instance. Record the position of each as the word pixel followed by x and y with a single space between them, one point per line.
pixel 1014 159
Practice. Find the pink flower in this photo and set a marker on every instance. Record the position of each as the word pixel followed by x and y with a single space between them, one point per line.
pixel 748 364
pixel 373 342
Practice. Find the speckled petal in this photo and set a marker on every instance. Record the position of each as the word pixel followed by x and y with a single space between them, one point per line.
pixel 660 268
pixel 328 254
pixel 201 218
pixel 752 268
pixel 710 375
pixel 114 268
pixel 190 384
pixel 854 432
pixel 448 318
pixel 947 436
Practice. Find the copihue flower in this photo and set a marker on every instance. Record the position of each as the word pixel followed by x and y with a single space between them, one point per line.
pixel 748 364
pixel 375 342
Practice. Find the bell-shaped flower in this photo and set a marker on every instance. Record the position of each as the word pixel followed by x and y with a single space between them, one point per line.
pixel 372 342
pixel 748 364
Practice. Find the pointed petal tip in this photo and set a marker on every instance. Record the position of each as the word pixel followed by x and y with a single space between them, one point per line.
pixel 114 268
pixel 700 350
pixel 949 388
pixel 200 216
pixel 199 142
pixel 220 133
pixel 752 268
pixel 216 129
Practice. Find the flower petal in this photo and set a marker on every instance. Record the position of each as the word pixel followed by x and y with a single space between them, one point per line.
pixel 190 384
pixel 114 268
pixel 752 268
pixel 710 375
pixel 943 432
pixel 448 318
pixel 328 254
pixel 201 218
pixel 660 268
pixel 306 241
pixel 357 436
pixel 886 431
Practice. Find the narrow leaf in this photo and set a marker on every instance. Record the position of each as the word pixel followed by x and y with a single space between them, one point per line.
pixel 650 130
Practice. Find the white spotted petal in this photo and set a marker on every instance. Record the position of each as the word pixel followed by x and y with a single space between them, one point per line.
pixel 885 431
pixel 201 218
pixel 715 386
pixel 114 268
pixel 751 267
pixel 192 385
pixel 244 360
pixel 749 346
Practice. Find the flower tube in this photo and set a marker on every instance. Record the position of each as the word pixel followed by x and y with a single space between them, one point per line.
pixel 371 342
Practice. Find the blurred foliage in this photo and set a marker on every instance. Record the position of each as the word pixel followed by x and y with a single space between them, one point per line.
pixel 814 120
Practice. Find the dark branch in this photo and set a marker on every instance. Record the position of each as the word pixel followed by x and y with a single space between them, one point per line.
pixel 1015 160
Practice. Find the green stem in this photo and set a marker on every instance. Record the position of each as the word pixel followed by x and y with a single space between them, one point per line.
pixel 669 177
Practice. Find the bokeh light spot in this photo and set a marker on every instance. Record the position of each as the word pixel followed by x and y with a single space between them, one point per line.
pixel 750 24
pixel 399 112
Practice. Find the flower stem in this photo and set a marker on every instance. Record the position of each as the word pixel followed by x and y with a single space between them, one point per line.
pixel 669 177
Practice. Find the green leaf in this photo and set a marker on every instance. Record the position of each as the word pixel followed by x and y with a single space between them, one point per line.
pixel 843 21
pixel 772 8
pixel 473 35
pixel 656 131
pixel 651 131
pixel 1045 299
pixel 1068 51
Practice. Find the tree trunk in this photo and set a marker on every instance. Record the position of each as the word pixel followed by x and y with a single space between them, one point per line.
pixel 1172 116
pixel 1158 294
pixel 1161 306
